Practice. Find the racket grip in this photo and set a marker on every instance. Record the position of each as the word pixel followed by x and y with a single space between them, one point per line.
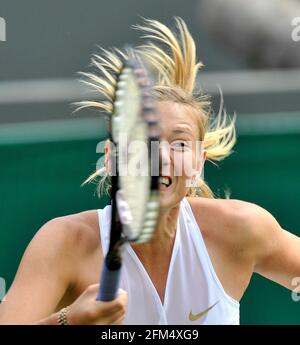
pixel 109 284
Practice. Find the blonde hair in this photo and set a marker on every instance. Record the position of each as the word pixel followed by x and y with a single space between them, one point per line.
pixel 172 54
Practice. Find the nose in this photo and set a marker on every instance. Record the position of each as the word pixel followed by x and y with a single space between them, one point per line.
pixel 164 156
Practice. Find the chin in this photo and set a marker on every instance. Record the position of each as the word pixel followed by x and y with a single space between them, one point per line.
pixel 169 199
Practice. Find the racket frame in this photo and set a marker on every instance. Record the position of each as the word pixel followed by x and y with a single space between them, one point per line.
pixel 113 260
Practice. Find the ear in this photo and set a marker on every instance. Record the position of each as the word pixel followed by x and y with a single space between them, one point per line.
pixel 107 155
pixel 203 158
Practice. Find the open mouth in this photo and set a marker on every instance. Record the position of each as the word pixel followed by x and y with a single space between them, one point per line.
pixel 165 181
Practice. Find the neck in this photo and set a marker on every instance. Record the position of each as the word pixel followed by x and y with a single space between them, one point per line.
pixel 163 238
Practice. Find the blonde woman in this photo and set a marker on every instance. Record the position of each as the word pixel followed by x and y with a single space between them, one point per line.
pixel 204 251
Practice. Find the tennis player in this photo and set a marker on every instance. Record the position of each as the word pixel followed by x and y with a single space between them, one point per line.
pixel 204 251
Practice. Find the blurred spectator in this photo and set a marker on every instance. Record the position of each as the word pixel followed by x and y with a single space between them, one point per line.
pixel 259 31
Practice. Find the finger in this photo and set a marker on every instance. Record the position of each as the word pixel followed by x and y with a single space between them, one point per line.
pixel 121 292
pixel 122 296
pixel 116 319
pixel 111 319
pixel 119 303
pixel 106 309
pixel 92 289
pixel 120 321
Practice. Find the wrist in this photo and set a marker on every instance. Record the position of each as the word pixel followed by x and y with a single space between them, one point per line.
pixel 62 317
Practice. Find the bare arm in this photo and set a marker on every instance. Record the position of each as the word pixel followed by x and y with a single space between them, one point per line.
pixel 86 310
pixel 276 251
pixel 44 275
pixel 48 269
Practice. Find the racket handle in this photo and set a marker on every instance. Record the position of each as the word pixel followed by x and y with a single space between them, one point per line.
pixel 109 284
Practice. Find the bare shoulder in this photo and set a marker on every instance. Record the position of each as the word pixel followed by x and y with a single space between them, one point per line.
pixel 226 211
pixel 54 261
pixel 79 231
pixel 235 222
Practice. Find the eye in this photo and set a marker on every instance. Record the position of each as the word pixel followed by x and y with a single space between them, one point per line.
pixel 180 145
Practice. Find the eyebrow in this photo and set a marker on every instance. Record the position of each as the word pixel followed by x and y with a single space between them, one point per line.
pixel 180 131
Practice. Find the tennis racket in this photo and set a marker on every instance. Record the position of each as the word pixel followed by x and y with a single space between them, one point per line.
pixel 134 193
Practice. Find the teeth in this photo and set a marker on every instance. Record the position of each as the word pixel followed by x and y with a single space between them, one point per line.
pixel 165 180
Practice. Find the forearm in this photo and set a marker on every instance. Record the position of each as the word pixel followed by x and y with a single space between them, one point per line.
pixel 50 320
pixel 59 318
pixel 11 320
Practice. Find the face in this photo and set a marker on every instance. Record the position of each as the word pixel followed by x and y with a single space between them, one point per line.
pixel 181 157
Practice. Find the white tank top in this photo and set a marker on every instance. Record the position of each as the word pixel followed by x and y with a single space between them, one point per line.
pixel 193 296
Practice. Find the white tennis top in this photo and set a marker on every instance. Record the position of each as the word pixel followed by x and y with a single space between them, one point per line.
pixel 194 294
